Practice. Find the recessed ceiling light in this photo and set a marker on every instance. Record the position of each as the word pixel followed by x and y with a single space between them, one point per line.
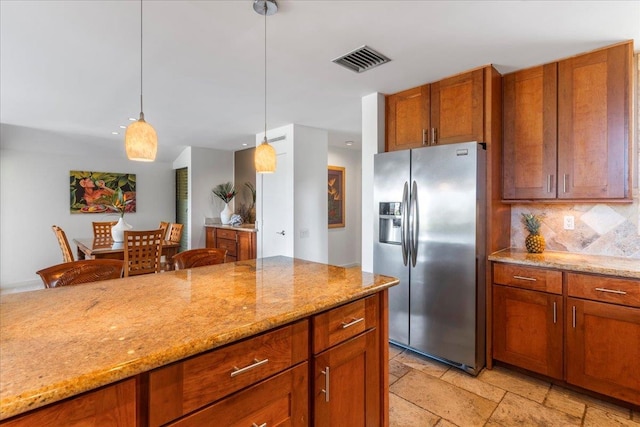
pixel 131 119
pixel 114 133
pixel 244 144
pixel 349 143
pixel 123 127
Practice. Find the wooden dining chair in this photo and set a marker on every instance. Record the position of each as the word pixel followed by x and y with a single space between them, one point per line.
pixel 199 257
pixel 175 232
pixel 78 272
pixel 67 255
pixel 102 230
pixel 142 251
pixel 164 226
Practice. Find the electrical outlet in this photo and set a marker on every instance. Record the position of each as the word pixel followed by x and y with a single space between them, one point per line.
pixel 569 222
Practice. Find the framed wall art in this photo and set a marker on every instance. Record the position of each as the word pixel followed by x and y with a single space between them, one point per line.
pixel 336 196
pixel 95 192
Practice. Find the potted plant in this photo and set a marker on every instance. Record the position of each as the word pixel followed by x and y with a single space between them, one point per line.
pixel 118 202
pixel 225 192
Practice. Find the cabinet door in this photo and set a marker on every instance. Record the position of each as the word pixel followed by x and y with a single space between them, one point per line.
pixel 246 245
pixel 407 115
pixel 280 401
pixel 210 241
pixel 457 108
pixel 530 117
pixel 527 329
pixel 603 348
pixel 347 383
pixel 593 124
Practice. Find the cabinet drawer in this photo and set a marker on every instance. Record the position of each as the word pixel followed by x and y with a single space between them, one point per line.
pixel 229 245
pixel 226 234
pixel 185 386
pixel 341 323
pixel 537 279
pixel 605 289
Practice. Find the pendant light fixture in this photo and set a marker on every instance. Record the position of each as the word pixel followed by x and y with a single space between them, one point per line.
pixel 265 156
pixel 140 139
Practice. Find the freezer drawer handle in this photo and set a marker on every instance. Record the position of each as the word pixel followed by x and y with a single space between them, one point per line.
pixel 353 322
pixel 531 279
pixel 611 291
pixel 238 371
pixel 555 313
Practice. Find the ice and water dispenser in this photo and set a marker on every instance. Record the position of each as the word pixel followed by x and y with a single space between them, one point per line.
pixel 390 216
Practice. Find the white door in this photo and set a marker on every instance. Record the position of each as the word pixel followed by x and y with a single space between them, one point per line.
pixel 275 216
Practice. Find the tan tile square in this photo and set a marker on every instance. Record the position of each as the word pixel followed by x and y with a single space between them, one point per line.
pixel 443 399
pixel 517 411
pixel 473 384
pixel 566 401
pixel 444 423
pixel 422 363
pixel 398 368
pixel 515 382
pixel 605 406
pixel 635 416
pixel 405 414
pixel 394 351
pixel 392 379
pixel 596 417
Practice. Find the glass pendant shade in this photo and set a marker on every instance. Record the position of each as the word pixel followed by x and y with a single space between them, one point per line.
pixel 141 141
pixel 265 158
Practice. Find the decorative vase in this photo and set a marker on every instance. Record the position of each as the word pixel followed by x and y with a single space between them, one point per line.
pixel 117 231
pixel 225 215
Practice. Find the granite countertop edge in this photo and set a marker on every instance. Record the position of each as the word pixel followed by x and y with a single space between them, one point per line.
pixel 584 263
pixel 31 399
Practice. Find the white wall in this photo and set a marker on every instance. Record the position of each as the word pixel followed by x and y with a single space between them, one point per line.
pixel 345 242
pixel 34 195
pixel 310 193
pixel 372 143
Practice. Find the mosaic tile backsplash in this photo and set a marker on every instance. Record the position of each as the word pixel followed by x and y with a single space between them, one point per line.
pixel 600 229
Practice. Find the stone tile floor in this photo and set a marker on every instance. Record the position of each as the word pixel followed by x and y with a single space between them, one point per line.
pixel 427 393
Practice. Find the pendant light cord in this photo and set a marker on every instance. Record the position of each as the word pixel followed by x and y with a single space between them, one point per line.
pixel 141 58
pixel 265 71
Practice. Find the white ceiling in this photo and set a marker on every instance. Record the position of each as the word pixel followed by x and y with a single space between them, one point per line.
pixel 74 66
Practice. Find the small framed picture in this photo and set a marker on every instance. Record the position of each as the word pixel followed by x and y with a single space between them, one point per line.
pixel 336 196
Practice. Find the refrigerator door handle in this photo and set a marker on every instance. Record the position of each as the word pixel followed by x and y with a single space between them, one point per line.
pixel 405 224
pixel 414 223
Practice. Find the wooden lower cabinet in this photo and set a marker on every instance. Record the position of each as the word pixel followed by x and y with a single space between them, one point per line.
pixel 282 400
pixel 528 329
pixel 347 383
pixel 240 245
pixel 113 405
pixel 603 348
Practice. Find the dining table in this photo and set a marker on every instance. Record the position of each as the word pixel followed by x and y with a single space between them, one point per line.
pixel 97 248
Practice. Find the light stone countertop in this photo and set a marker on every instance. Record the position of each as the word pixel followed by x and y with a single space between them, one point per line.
pixel 597 264
pixel 59 342
pixel 244 227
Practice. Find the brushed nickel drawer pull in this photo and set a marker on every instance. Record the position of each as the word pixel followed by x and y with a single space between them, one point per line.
pixel 555 313
pixel 256 425
pixel 531 279
pixel 353 322
pixel 574 316
pixel 611 291
pixel 564 182
pixel 549 183
pixel 434 136
pixel 325 390
pixel 425 136
pixel 238 371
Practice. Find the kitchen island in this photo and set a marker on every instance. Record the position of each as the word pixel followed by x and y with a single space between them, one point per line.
pixel 143 334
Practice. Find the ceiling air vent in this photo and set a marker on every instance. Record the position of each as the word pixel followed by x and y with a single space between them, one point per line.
pixel 362 59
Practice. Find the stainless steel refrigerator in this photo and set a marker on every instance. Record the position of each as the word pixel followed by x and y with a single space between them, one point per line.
pixel 430 233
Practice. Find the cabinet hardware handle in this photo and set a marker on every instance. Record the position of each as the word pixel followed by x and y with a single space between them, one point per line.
pixel 531 279
pixel 555 313
pixel 549 182
pixel 425 137
pixel 256 425
pixel 564 182
pixel 325 390
pixel 611 291
pixel 574 316
pixel 434 136
pixel 353 322
pixel 238 371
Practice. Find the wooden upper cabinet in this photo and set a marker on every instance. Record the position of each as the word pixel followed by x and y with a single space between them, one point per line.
pixel 593 124
pixel 457 108
pixel 530 133
pixel 407 114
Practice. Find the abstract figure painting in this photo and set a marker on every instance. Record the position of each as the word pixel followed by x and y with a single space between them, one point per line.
pixel 336 197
